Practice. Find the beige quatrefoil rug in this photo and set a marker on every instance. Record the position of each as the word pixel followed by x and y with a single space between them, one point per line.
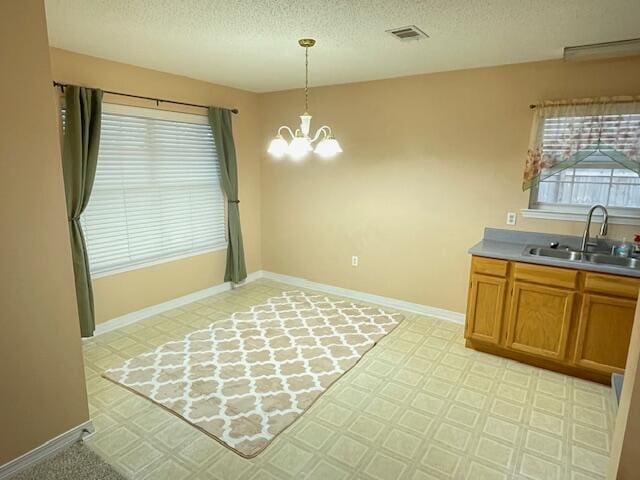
pixel 245 379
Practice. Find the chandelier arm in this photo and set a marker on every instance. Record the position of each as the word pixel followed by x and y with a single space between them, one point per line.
pixel 284 127
pixel 323 129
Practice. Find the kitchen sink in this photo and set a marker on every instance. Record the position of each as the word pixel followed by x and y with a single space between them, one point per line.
pixel 554 253
pixel 627 262
pixel 585 257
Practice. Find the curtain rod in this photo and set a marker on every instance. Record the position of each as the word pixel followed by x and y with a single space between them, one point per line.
pixel 157 100
pixel 586 102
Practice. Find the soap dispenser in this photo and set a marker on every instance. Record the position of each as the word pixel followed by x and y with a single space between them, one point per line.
pixel 625 249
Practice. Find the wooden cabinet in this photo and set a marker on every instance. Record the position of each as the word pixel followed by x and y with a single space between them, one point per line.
pixel 485 307
pixel 577 322
pixel 539 320
pixel 604 329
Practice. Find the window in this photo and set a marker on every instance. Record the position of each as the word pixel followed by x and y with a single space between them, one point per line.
pixel 609 185
pixel 597 178
pixel 157 190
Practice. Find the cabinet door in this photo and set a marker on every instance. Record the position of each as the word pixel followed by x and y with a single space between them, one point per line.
pixel 539 320
pixel 485 307
pixel 604 330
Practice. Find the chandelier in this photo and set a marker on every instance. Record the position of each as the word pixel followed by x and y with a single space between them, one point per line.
pixel 301 142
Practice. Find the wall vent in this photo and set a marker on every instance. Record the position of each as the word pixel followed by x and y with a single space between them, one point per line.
pixel 410 32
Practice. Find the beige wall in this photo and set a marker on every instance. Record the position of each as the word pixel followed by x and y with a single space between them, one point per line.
pixel 428 162
pixel 42 383
pixel 118 294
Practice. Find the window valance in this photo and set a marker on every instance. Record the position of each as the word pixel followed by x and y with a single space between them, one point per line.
pixel 565 133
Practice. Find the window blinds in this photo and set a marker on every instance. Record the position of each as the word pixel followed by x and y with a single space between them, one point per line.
pixel 157 190
pixel 614 131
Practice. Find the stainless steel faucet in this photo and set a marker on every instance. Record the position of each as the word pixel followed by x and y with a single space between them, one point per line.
pixel 603 229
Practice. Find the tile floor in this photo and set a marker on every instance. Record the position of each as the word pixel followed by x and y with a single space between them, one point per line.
pixel 417 406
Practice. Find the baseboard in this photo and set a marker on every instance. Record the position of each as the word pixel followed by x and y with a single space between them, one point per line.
pixel 420 309
pixel 47 449
pixel 147 312
pixel 138 315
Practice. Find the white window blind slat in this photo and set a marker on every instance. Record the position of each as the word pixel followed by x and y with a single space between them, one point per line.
pixel 157 191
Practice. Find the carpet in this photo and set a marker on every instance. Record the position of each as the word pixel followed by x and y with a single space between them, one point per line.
pixel 245 379
pixel 78 462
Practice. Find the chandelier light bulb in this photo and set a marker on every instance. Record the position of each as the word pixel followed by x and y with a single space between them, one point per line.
pixel 278 147
pixel 328 147
pixel 299 147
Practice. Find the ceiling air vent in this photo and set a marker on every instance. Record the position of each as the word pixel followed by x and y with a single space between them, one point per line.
pixel 410 32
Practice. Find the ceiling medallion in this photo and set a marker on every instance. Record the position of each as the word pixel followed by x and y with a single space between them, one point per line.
pixel 301 142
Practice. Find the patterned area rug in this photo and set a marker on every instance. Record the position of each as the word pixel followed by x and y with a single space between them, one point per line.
pixel 245 379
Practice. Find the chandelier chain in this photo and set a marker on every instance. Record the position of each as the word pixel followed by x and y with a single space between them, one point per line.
pixel 306 79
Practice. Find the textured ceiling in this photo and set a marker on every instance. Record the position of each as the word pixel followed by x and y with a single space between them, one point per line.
pixel 253 44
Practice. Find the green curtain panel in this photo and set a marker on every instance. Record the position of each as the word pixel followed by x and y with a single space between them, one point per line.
pixel 83 107
pixel 220 121
pixel 565 133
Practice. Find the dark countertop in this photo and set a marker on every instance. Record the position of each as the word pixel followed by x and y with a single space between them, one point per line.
pixel 510 245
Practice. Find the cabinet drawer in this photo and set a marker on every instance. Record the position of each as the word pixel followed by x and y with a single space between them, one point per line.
pixel 549 276
pixel 489 266
pixel 611 285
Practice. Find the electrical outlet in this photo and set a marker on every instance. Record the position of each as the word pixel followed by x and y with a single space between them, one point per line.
pixel 354 261
pixel 511 218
